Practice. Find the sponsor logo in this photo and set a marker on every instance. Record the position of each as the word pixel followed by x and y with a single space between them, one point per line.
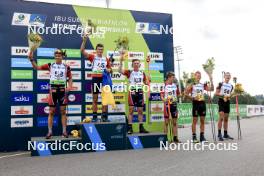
pixel 73 53
pixel 117 76
pixel 21 122
pixel 91 52
pixel 19 51
pixel 21 74
pixel 43 121
pixel 74 109
pixel 156 66
pixel 136 55
pixel 89 109
pixel 21 98
pixel 155 97
pixel 20 19
pixel 119 108
pixel 76 75
pixel 43 98
pixel 148 28
pixel 157 118
pixel 117 118
pixel 77 86
pixel 88 64
pixel 141 68
pixel 20 62
pixel 43 74
pixel 44 110
pixel 142 27
pixel 88 75
pixel 154 56
pixel 74 63
pixel 37 20
pixel 154 28
pixel 89 98
pixel 157 107
pixel 21 110
pixel 157 77
pixel 119 97
pixel 75 98
pixel 46 52
pixel 116 64
pixel 119 128
pixel 42 86
pixel 21 86
pixel 44 61
pixel 74 120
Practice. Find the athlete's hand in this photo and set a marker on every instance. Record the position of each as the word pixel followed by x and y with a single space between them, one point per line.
pixel 109 70
pixel 68 89
pixel 122 55
pixel 85 37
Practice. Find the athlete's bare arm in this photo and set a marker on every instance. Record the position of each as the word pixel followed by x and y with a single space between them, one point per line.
pixel 120 69
pixel 82 49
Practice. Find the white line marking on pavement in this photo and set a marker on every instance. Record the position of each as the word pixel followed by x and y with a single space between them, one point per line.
pixel 9 156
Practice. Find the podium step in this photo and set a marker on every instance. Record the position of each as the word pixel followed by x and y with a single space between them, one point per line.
pixel 147 140
pixel 40 146
pixel 107 135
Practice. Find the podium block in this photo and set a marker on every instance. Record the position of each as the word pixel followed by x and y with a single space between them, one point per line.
pixel 105 136
pixel 149 140
pixel 40 146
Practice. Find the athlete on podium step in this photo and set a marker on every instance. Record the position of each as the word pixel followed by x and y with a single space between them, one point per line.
pixel 59 72
pixel 99 64
pixel 137 79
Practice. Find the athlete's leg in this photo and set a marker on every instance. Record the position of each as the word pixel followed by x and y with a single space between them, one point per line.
pixel 194 122
pixel 130 119
pixel 166 123
pixel 50 121
pixel 63 118
pixel 140 114
pixel 95 99
pixel 104 113
pixel 225 117
pixel 175 126
pixel 202 122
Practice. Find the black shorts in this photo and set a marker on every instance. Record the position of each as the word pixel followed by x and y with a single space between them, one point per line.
pixel 96 83
pixel 57 95
pixel 224 106
pixel 199 108
pixel 173 110
pixel 136 98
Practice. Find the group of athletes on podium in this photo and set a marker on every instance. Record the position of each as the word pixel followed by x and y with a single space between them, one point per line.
pixel 60 74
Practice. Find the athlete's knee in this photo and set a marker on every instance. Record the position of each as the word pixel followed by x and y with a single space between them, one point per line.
pixel 52 111
pixel 131 111
pixel 202 120
pixel 63 112
pixel 140 110
pixel 95 98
